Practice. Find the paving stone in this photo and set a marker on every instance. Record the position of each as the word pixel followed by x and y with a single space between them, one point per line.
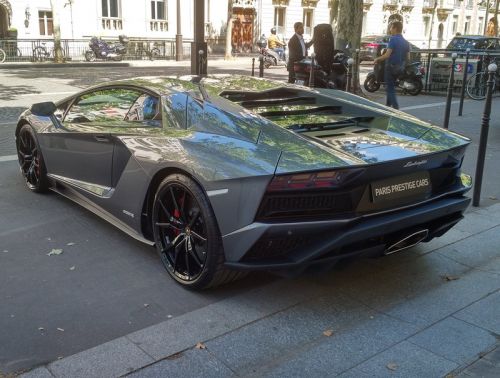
pixel 454 340
pixel 477 222
pixel 481 369
pixel 111 359
pixel 275 338
pixel 485 313
pixel 407 360
pixel 191 363
pixel 40 372
pixel 494 356
pixel 477 250
pixel 344 349
pixel 185 331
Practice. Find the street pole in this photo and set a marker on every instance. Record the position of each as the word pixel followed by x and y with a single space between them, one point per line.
pixel 311 73
pixel 464 80
pixel 350 62
pixel 483 139
pixel 450 91
pixel 178 37
pixel 199 63
pixel 432 23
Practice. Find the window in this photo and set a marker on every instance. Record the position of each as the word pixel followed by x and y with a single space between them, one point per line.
pixel 307 20
pixel 158 10
pixel 110 8
pixel 467 25
pixel 45 22
pixel 455 24
pixel 113 107
pixel 480 26
pixel 427 24
pixel 279 20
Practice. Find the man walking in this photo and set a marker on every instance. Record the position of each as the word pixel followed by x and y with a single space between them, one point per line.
pixel 396 56
pixel 297 49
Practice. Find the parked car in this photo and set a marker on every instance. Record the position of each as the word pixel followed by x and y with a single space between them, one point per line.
pixel 474 42
pixel 228 173
pixel 372 46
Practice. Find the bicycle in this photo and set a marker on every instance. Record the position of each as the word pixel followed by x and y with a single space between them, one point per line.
pixel 149 53
pixel 40 53
pixel 477 84
pixel 4 53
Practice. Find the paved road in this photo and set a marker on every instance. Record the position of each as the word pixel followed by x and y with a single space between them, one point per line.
pixel 54 306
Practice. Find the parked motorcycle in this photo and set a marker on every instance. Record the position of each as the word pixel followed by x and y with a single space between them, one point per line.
pixel 332 76
pixel 271 57
pixel 410 80
pixel 100 49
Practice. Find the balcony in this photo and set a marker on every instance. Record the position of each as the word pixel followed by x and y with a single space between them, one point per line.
pixel 158 25
pixel 309 3
pixel 390 5
pixel 111 23
pixel 244 4
pixel 366 4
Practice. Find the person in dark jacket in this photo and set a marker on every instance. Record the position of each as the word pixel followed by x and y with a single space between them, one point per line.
pixel 297 49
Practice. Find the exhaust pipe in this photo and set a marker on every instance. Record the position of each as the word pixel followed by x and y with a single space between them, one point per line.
pixel 407 242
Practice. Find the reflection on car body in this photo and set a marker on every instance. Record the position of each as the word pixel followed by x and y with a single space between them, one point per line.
pixel 226 174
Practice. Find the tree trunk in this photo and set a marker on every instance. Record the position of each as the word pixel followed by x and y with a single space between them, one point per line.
pixel 347 21
pixel 58 53
pixel 229 30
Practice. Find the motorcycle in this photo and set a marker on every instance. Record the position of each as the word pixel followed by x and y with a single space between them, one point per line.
pixel 100 49
pixel 271 57
pixel 331 74
pixel 410 81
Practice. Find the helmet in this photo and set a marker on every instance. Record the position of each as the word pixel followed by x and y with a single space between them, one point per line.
pixel 273 30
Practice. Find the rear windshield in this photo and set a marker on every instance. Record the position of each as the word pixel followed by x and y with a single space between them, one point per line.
pixel 473 44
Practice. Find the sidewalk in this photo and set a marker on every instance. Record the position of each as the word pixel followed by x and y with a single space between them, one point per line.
pixel 432 311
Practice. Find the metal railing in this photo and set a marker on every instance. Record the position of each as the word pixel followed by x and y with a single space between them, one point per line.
pixel 42 50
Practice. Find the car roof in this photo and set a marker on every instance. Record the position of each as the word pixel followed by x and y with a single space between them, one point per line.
pixel 475 37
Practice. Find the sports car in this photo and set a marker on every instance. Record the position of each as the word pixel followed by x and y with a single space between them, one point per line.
pixel 227 174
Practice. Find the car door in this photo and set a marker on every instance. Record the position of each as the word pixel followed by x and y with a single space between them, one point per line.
pixel 80 151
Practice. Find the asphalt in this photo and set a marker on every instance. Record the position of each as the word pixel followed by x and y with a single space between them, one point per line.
pixel 431 311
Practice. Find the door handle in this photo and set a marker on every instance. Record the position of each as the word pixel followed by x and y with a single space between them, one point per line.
pixel 101 138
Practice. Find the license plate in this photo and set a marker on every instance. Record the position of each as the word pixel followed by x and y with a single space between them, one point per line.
pixel 413 185
pixel 299 82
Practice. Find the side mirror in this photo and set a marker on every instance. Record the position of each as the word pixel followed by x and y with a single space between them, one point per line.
pixel 45 109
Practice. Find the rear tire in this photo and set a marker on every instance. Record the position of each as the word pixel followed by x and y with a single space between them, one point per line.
pixel 417 87
pixel 371 84
pixel 477 85
pixel 39 54
pixel 187 236
pixel 2 56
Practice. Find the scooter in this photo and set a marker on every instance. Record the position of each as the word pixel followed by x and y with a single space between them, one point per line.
pixel 271 57
pixel 100 49
pixel 410 81
pixel 333 76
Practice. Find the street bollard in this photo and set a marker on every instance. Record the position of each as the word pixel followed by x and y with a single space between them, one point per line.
pixel 200 62
pixel 483 139
pixel 427 70
pixel 253 66
pixel 355 73
pixel 464 81
pixel 450 91
pixel 261 65
pixel 350 62
pixel 311 73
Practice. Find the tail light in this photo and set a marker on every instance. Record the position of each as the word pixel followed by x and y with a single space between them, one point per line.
pixel 312 180
pixel 372 45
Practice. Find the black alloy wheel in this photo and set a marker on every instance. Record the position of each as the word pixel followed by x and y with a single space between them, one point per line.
pixel 31 160
pixel 187 236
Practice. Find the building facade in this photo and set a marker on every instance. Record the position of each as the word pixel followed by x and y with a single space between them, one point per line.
pixel 427 23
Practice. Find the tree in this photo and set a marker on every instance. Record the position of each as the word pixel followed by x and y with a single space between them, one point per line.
pixel 58 54
pixel 347 22
pixel 229 31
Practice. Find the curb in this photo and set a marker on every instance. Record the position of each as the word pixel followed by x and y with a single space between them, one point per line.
pixel 63 65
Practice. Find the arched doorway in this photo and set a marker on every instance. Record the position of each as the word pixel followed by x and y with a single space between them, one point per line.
pixel 440 36
pixel 5 15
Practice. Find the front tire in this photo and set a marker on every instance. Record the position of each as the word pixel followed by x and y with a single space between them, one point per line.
pixel 187 236
pixel 371 84
pixel 417 87
pixel 2 56
pixel 31 160
pixel 477 86
pixel 90 56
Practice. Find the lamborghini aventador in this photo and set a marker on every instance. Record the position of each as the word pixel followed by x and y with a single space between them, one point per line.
pixel 227 174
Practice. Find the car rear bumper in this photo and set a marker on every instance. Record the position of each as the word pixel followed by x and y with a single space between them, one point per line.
pixel 277 246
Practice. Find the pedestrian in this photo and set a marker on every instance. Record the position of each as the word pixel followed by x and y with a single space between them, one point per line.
pixel 396 56
pixel 297 49
pixel 275 44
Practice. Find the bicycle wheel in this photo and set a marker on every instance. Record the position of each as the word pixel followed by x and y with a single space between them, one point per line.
pixel 39 54
pixel 155 53
pixel 2 56
pixel 477 85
